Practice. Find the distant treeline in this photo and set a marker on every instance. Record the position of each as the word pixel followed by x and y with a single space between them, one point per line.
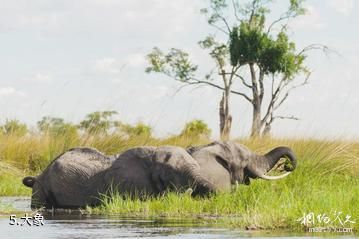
pixel 99 123
pixel 30 149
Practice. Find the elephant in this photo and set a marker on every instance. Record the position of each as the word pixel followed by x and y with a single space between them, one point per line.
pixel 206 169
pixel 151 171
pixel 79 176
pixel 226 163
pixel 72 180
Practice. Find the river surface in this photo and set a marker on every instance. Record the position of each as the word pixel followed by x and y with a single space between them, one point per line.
pixel 64 225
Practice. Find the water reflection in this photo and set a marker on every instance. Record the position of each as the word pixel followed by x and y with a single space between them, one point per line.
pixel 64 225
pixel 89 227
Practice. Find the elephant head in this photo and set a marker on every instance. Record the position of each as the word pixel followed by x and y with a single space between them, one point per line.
pixel 40 196
pixel 225 163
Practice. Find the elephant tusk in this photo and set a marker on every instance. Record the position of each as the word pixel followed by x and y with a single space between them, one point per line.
pixel 274 177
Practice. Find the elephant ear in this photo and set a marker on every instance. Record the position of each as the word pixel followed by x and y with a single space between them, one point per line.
pixel 29 181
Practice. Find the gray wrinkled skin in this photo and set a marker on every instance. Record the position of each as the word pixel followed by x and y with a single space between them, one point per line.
pixel 228 163
pixel 79 176
pixel 144 171
pixel 205 169
pixel 74 179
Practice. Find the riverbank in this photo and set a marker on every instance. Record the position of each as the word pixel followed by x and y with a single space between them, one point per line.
pixel 325 184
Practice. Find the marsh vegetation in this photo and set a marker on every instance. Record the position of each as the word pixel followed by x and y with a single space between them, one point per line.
pixel 326 179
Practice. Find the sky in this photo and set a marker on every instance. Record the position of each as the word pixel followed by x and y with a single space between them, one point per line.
pixel 67 58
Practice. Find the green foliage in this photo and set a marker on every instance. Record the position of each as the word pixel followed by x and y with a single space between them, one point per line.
pixel 250 45
pixel 234 47
pixel 99 122
pixel 196 129
pixel 138 130
pixel 175 63
pixel 14 127
pixel 246 44
pixel 250 42
pixel 56 126
pixel 217 6
pixel 156 60
pixel 254 10
pixel 218 51
pixel 11 185
pixel 296 7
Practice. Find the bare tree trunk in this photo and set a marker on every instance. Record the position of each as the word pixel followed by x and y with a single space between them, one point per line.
pixel 256 121
pixel 256 104
pixel 267 130
pixel 225 118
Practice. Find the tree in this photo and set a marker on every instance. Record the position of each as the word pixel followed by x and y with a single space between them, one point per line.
pixel 138 130
pixel 56 127
pixel 176 64
pixel 268 55
pixel 257 55
pixel 14 127
pixel 196 129
pixel 98 122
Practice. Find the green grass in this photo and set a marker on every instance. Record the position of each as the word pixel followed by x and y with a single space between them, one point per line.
pixel 326 180
pixel 11 185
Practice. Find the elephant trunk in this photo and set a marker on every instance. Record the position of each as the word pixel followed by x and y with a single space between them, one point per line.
pixel 266 162
pixel 202 186
pixel 281 152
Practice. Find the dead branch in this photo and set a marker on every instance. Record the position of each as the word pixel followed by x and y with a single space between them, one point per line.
pixel 235 11
pixel 194 81
pixel 305 82
pixel 285 117
pixel 316 46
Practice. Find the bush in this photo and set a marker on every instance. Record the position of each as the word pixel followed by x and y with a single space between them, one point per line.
pixel 98 123
pixel 197 129
pixel 138 130
pixel 14 127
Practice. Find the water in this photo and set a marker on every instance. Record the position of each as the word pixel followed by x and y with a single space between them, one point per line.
pixel 63 225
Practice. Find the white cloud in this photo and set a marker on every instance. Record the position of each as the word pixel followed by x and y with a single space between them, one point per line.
pixel 160 92
pixel 58 17
pixel 136 60
pixel 111 65
pixel 344 7
pixel 117 81
pixel 311 20
pixel 39 15
pixel 38 78
pixel 10 91
pixel 108 65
